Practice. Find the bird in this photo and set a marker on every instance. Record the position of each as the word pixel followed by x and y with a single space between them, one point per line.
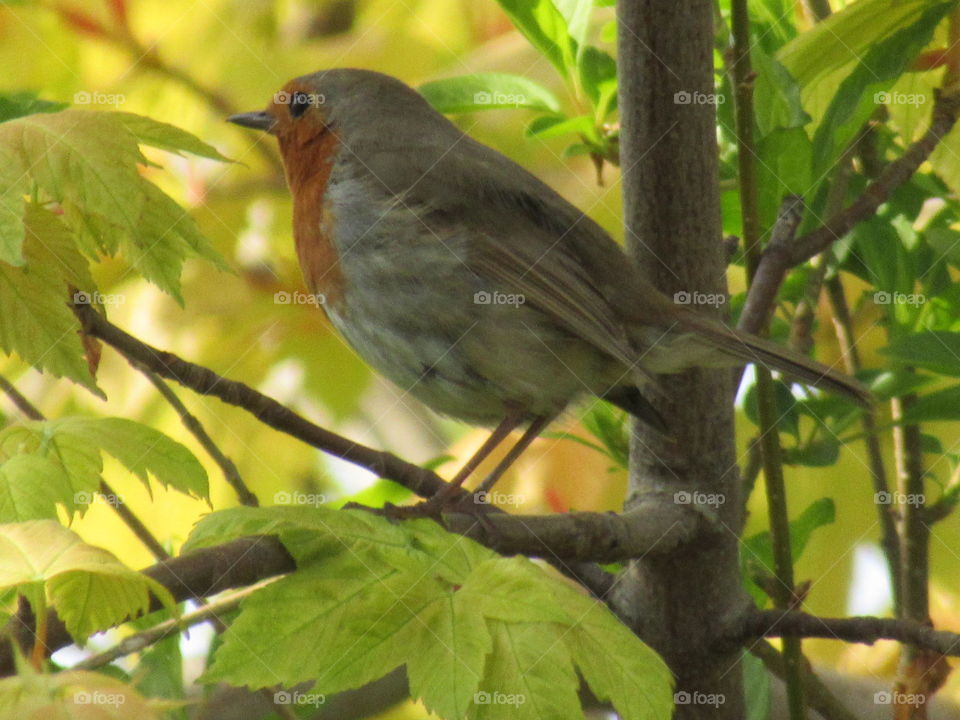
pixel 470 283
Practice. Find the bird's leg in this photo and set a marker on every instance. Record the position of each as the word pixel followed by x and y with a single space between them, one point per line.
pixel 531 434
pixel 499 434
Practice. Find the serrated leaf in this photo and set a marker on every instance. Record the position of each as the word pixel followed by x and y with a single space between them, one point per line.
pixel 73 445
pixel 31 487
pixel 530 674
pixel 167 137
pixel 487 91
pixel 37 323
pixel 90 589
pixel 364 617
pixel 617 666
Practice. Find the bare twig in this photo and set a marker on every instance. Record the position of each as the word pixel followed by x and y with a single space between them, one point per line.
pixel 866 630
pixel 779 258
pixel 227 466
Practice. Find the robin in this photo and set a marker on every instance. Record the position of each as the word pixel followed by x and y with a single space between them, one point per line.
pixel 470 283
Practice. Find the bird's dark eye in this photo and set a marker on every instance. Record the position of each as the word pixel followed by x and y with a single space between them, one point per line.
pixel 299 104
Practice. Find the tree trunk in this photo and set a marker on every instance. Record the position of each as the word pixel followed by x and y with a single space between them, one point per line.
pixel 677 602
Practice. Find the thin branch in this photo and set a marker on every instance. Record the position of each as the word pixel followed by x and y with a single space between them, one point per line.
pixel 26 408
pixel 818 695
pixel 784 595
pixel 843 326
pixel 144 639
pixel 779 258
pixel 866 630
pixel 419 480
pixel 227 466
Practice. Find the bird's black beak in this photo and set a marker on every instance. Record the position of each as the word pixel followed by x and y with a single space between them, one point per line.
pixel 260 120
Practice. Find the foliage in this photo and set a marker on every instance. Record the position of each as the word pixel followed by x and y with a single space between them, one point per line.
pixel 88 213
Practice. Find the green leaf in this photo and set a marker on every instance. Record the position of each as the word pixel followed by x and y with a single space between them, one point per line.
pixel 858 96
pixel 162 136
pixel 757 558
pixel 487 91
pixel 756 687
pixel 822 452
pixel 67 464
pixel 89 588
pixel 37 323
pixel 71 695
pixel 616 665
pixel 777 96
pixel 14 105
pixel 550 126
pixel 788 418
pixel 31 487
pixel 89 163
pixel 938 351
pixel 546 29
pixel 577 14
pixel 938 405
pixel 598 75
pixel 476 631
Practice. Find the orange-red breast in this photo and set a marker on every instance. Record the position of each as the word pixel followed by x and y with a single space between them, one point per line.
pixel 467 281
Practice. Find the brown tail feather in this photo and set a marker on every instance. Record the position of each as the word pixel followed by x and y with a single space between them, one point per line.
pixel 751 348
